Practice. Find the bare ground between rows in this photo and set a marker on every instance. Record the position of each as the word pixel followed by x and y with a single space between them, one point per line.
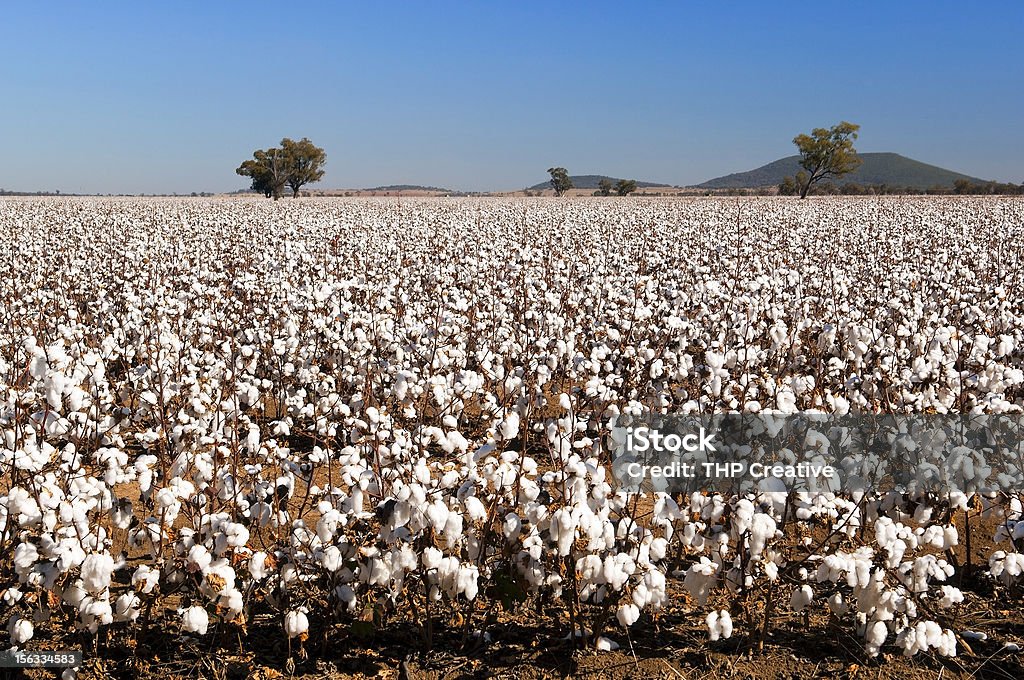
pixel 531 645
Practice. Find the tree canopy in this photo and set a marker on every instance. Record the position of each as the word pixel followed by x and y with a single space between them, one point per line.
pixel 560 180
pixel 294 164
pixel 624 187
pixel 827 153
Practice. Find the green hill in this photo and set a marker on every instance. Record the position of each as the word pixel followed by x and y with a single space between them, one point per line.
pixel 590 182
pixel 878 168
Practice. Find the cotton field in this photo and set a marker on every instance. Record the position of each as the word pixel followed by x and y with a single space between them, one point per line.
pixel 350 413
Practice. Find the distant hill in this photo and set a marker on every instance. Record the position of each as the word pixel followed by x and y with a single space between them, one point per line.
pixel 408 187
pixel 591 181
pixel 877 168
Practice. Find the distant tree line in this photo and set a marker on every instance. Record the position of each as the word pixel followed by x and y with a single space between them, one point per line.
pixel 961 187
pixel 624 187
pixel 561 182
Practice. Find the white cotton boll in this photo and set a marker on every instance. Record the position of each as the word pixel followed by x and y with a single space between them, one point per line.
pixel 658 549
pixel 468 581
pixel 762 528
pixel 617 569
pixel 258 567
pixel 233 601
pixel 725 624
pixel 95 613
pixel 296 624
pixel 474 509
pixel 75 594
pixel 836 604
pixel 564 402
pixel 421 472
pixel 432 558
pixel 97 570
pixel 711 620
pixel 785 400
pixel 509 428
pixel 127 607
pixel 195 620
pixel 331 558
pixel 627 615
pixel 232 535
pixel 218 579
pixel 437 514
pixel 563 530
pixel 606 645
pixel 801 597
pixel 875 636
pixel 700 578
pixel 12 596
pixel 719 625
pixel 198 558
pixel 950 596
pixel 346 597
pixel 25 557
pixel 20 630
pixel 512 526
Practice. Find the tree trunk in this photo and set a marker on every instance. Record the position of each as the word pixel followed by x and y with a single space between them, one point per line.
pixel 295 191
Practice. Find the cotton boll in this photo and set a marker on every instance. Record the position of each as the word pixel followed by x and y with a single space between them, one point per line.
pixel 127 607
pixel 719 625
pixel 296 624
pixel 627 615
pixel 259 568
pixel 509 428
pixel 198 558
pixel 700 578
pixel 801 597
pixel 94 613
pixel 875 637
pixel 437 514
pixel 145 579
pixel 512 526
pixel 836 604
pixel 432 558
pixel 604 644
pixel 231 535
pixel 11 596
pixel 725 624
pixel 331 558
pixel 468 581
pixel 218 579
pixel 25 557
pixel 453 529
pixel 950 596
pixel 195 620
pixel 20 630
pixel 96 572
pixel 74 594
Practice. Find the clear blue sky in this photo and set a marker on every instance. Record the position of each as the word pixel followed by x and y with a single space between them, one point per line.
pixel 172 96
